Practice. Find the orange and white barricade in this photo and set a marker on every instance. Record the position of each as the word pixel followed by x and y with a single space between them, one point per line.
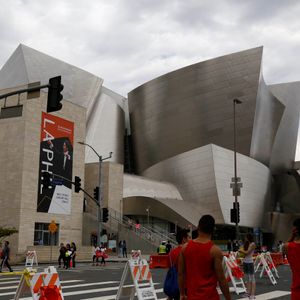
pixel 31 258
pixel 141 277
pixel 234 274
pixel 265 262
pixel 44 285
pixel 135 254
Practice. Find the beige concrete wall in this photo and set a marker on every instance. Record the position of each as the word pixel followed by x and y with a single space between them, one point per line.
pixel 20 141
pixel 112 193
pixel 12 137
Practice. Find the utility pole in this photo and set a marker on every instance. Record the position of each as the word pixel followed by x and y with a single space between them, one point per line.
pixel 236 181
pixel 101 159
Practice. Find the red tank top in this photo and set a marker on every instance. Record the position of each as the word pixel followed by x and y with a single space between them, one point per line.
pixel 294 261
pixel 201 280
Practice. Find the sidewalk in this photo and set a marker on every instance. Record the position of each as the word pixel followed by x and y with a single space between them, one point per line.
pixel 111 258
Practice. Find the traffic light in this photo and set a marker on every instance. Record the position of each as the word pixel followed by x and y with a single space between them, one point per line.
pixel 77 184
pixel 96 193
pixel 54 94
pixel 237 207
pixel 46 180
pixel 235 213
pixel 104 214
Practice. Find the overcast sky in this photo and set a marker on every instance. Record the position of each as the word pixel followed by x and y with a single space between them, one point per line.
pixel 128 42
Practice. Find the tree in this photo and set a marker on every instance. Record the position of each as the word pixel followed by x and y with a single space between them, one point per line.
pixel 6 231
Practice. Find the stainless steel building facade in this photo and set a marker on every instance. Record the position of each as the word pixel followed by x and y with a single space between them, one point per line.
pixel 181 129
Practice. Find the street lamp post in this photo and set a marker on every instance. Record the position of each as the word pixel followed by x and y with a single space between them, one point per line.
pixel 236 186
pixel 101 159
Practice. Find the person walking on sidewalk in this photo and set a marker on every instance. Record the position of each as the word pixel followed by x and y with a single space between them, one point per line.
pixel 120 248
pixel 200 266
pixel 5 257
pixel 182 237
pixel 62 255
pixel 103 255
pixel 292 250
pixel 73 255
pixel 248 265
pixel 68 256
pixel 124 249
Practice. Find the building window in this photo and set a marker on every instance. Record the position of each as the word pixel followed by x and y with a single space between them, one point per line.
pixel 42 235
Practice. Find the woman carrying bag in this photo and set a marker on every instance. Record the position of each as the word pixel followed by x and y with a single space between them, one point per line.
pixel 171 288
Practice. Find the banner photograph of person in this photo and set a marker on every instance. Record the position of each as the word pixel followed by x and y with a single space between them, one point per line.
pixel 56 157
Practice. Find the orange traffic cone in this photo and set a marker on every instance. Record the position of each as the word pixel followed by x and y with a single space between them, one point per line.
pixel 285 261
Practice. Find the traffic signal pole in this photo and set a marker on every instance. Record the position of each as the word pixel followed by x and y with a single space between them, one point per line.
pixel 101 159
pixel 73 182
pixel 54 93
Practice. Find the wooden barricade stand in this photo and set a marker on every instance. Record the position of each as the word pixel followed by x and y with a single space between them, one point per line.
pixel 31 258
pixel 265 262
pixel 44 285
pixel 234 274
pixel 141 277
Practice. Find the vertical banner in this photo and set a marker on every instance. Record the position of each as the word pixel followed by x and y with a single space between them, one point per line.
pixel 56 157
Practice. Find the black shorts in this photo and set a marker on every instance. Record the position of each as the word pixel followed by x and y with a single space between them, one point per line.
pixel 248 268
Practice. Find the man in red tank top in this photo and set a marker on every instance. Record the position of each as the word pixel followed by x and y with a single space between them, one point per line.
pixel 200 266
pixel 292 250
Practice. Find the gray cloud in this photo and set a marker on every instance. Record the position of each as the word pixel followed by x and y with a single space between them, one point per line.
pixel 129 42
pixel 133 41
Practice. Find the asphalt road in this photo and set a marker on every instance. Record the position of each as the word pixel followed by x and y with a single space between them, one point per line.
pixel 101 283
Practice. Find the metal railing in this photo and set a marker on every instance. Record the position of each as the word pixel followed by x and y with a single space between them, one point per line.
pixel 151 235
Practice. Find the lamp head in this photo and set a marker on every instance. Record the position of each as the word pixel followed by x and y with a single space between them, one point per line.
pixel 81 143
pixel 237 101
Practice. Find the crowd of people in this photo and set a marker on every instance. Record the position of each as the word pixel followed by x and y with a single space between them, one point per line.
pixel 198 263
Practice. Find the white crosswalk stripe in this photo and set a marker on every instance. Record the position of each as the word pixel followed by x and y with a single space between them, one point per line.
pixel 271 295
pixel 105 290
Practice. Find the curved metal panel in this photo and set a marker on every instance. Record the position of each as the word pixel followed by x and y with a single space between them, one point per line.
pixel 203 178
pixel 285 143
pixel 192 107
pixel 268 114
pixel 105 131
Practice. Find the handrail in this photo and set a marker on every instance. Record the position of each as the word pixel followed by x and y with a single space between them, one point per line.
pixel 152 236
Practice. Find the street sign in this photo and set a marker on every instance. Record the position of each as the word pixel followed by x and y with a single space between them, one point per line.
pixel 52 227
pixel 57 181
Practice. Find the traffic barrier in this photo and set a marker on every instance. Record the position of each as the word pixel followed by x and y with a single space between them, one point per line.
pixel 234 274
pixel 265 262
pixel 277 258
pixel 141 277
pixel 31 258
pixel 159 261
pixel 135 254
pixel 43 286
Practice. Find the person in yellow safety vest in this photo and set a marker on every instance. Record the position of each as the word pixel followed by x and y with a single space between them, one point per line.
pixel 162 249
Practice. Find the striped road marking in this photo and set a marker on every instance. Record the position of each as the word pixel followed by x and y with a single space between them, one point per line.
pixel 270 295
